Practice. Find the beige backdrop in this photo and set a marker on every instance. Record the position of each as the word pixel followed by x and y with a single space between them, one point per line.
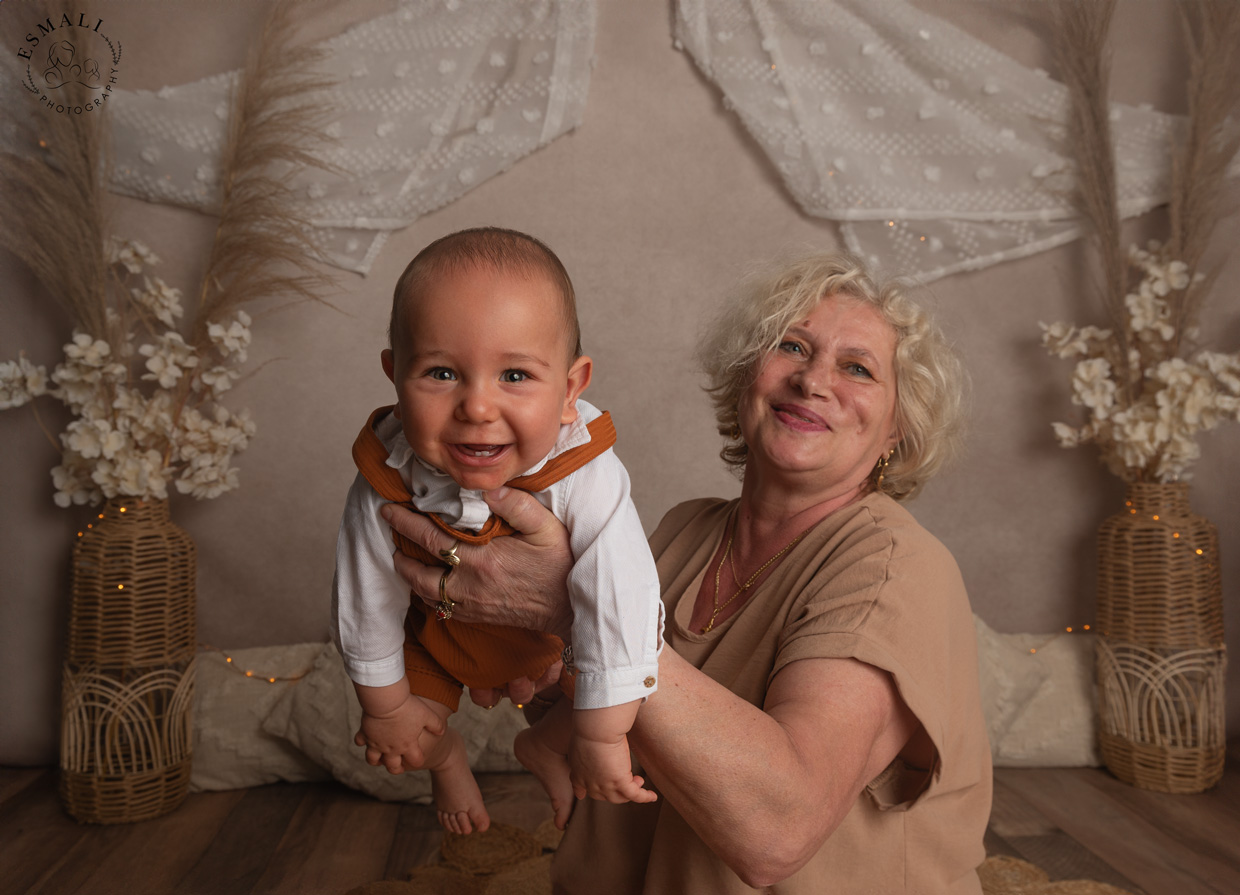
pixel 655 204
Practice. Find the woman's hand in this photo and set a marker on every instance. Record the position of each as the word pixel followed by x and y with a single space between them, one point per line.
pixel 517 580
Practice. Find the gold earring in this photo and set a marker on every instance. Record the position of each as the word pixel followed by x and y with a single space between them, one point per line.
pixel 880 469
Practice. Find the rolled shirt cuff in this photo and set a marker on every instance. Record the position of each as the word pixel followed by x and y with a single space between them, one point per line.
pixel 377 672
pixel 602 689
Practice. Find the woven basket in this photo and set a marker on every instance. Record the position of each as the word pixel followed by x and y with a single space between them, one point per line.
pixel 1161 656
pixel 128 683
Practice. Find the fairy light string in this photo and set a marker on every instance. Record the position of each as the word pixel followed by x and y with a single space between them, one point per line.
pixel 272 679
pixel 229 661
pixel 249 672
pixel 1175 536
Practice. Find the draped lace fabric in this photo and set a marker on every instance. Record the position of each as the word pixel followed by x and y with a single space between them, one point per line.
pixel 934 151
pixel 430 101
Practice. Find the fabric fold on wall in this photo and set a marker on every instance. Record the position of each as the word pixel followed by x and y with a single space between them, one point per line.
pixel 431 101
pixel 935 152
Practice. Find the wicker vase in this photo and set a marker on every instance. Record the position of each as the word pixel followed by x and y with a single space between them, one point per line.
pixel 129 666
pixel 1161 655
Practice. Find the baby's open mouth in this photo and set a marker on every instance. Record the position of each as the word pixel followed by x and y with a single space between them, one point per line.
pixel 481 450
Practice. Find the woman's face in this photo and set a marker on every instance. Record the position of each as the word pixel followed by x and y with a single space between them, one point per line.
pixel 822 407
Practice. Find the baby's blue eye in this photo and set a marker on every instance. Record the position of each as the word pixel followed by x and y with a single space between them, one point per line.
pixel 441 374
pixel 513 376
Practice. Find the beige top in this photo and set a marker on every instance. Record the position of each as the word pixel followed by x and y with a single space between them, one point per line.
pixel 868 582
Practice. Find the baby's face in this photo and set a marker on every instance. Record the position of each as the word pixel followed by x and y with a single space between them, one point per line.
pixel 483 377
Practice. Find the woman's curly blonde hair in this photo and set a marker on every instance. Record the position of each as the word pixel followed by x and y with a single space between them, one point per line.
pixel 931 383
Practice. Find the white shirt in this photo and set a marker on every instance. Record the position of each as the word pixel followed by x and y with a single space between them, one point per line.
pixel 613 586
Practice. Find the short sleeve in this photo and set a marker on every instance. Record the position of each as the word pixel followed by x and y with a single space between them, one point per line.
pixel 891 596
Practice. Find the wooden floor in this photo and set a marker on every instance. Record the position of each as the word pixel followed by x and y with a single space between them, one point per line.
pixel 311 838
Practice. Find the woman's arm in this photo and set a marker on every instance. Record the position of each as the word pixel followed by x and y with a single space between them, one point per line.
pixel 765 787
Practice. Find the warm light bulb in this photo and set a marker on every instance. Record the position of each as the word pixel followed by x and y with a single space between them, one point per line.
pixel 249 674
pixel 1200 551
pixel 120 587
pixel 1069 629
pixel 1155 517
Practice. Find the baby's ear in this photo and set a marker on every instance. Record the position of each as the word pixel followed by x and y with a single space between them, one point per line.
pixel 578 378
pixel 389 368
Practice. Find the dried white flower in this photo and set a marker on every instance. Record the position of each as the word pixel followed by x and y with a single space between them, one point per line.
pixel 134 431
pixel 70 487
pixel 20 380
pixel 160 299
pixel 1092 386
pixel 131 254
pixel 233 339
pixel 168 359
pixel 1146 427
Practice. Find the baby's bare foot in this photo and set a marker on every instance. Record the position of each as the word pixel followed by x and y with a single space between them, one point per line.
pixel 457 798
pixel 551 769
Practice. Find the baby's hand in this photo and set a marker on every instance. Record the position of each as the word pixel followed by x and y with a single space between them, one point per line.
pixel 603 770
pixel 391 737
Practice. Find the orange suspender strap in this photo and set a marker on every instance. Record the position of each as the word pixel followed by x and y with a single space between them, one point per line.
pixel 371 458
pixel 439 657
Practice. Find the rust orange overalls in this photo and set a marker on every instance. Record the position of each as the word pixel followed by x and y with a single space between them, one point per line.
pixel 441 657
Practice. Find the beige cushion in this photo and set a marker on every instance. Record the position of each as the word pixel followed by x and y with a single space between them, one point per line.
pixel 1039 706
pixel 1007 680
pixel 1058 726
pixel 321 715
pixel 231 750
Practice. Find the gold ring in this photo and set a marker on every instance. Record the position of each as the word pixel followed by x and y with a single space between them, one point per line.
pixel 443 611
pixel 450 556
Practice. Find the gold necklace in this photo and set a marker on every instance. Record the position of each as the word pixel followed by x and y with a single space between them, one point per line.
pixel 727 556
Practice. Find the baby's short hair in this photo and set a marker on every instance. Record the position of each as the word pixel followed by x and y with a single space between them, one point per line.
pixel 496 248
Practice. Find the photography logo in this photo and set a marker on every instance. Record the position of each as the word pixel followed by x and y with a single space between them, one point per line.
pixel 71 66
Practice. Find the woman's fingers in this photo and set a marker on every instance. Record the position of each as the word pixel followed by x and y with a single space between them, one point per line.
pixel 415 527
pixel 488 697
pixel 422 579
pixel 520 691
pixel 518 581
pixel 549 677
pixel 531 519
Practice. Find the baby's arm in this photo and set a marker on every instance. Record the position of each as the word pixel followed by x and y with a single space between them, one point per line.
pixel 393 720
pixel 599 755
